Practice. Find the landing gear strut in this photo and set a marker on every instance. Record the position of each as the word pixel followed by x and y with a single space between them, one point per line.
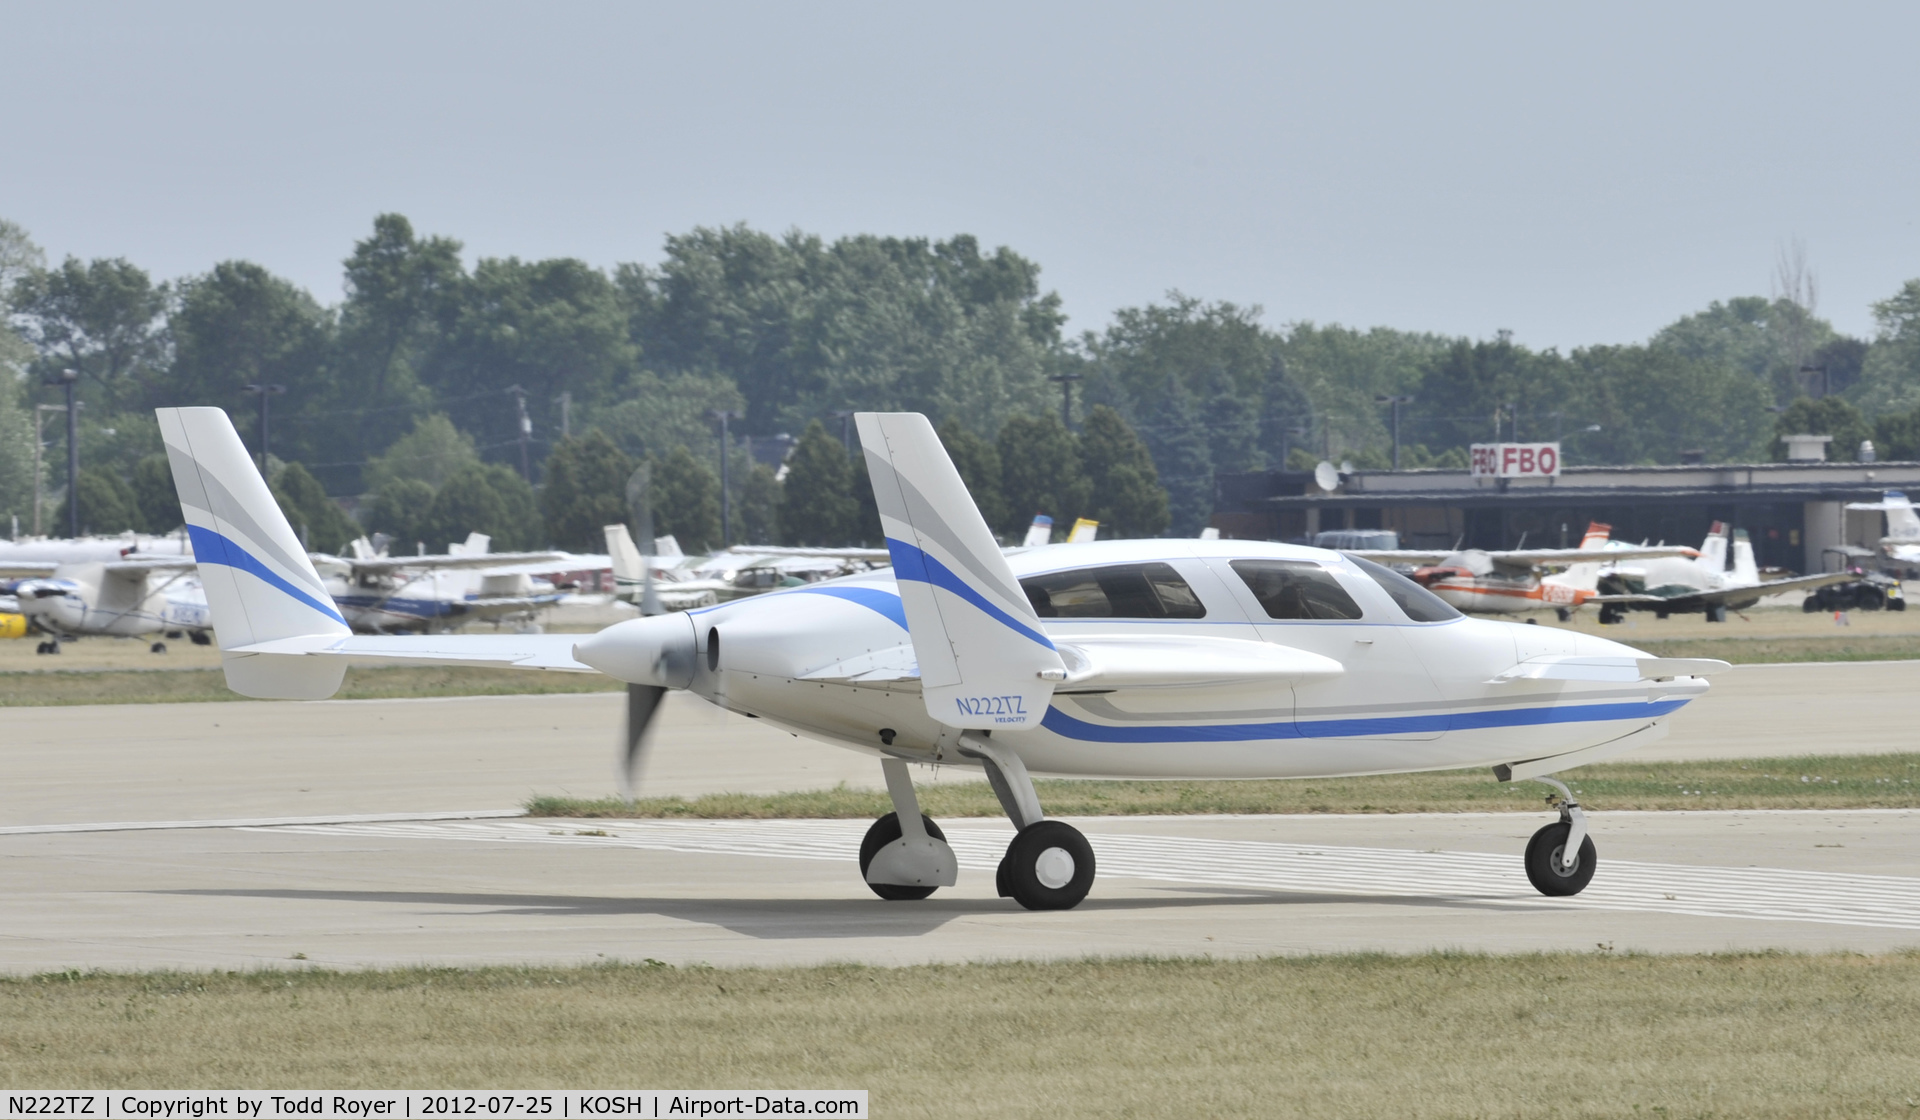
pixel 1560 858
pixel 1049 865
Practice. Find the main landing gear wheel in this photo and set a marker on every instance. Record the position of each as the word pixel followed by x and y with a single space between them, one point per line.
pixel 1545 853
pixel 158 647
pixel 883 832
pixel 1049 866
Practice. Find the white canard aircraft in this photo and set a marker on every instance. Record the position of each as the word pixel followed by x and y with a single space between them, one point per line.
pixel 1122 659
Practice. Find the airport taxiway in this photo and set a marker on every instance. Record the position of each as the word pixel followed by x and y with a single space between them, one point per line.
pixel 309 876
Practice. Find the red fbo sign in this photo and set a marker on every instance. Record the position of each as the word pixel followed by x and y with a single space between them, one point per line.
pixel 1516 460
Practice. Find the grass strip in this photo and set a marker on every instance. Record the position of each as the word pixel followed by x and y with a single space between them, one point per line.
pixel 183 686
pixel 1768 651
pixel 1882 781
pixel 1359 1035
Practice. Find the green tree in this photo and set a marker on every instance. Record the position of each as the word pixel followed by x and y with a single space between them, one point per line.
pixel 102 318
pixel 1124 492
pixel 1653 403
pixel 1890 377
pixel 758 506
pixel 399 509
pixel 16 454
pixel 1040 472
pixel 241 325
pixel 489 499
pixel 156 503
pixel 432 453
pixel 978 462
pixel 1182 457
pixel 1769 339
pixel 1896 436
pixel 819 505
pixel 585 490
pixel 106 503
pixel 320 523
pixel 1823 416
pixel 686 501
pixel 547 327
pixel 659 413
pixel 805 327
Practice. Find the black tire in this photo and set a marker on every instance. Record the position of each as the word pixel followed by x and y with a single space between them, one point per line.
pixel 881 833
pixel 158 647
pixel 41 648
pixel 1563 614
pixel 1543 862
pixel 1717 612
pixel 1810 604
pixel 200 638
pixel 1037 877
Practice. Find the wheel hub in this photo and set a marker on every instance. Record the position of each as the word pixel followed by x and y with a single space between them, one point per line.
pixel 1054 868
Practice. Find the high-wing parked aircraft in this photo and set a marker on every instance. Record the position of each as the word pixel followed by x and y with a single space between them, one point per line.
pixel 1124 659
pixel 383 594
pixel 1703 585
pixel 134 596
pixel 679 583
pixel 1517 580
pixel 1901 545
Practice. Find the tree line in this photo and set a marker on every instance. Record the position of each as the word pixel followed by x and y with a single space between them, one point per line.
pixel 506 395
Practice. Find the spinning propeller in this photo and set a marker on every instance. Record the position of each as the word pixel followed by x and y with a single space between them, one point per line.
pixel 643 703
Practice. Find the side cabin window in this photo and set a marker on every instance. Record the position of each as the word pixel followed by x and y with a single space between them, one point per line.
pixel 1296 589
pixel 1116 591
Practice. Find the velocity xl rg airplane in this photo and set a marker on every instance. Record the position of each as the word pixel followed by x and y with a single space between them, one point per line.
pixel 1119 659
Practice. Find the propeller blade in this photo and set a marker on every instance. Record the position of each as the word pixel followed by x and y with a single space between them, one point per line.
pixel 643 703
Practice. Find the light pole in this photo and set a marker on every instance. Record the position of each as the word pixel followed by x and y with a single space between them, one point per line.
pixel 725 415
pixel 1065 381
pixel 266 393
pixel 39 440
pixel 1395 402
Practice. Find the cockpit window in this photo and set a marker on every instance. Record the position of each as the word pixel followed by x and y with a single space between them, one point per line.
pixel 1117 591
pixel 1296 589
pixel 1419 604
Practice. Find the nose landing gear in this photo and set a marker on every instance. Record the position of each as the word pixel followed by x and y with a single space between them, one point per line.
pixel 1560 858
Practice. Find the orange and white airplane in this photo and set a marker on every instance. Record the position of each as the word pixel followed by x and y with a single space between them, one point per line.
pixel 1517 581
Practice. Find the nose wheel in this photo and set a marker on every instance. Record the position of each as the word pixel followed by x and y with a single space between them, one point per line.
pixel 1560 858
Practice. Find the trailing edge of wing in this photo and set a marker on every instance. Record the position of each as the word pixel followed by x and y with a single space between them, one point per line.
pixel 511 651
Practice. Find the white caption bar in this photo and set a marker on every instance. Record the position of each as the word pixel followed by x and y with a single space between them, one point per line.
pixel 413 1104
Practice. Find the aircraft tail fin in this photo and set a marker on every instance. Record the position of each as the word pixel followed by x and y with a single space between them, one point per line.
pixel 1085 531
pixel 1598 533
pixel 260 585
pixel 1585 575
pixel 1902 522
pixel 628 567
pixel 1040 532
pixel 1713 550
pixel 1745 570
pixel 984 661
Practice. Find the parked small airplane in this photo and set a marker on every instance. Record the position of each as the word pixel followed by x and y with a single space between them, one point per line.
pixel 135 596
pixel 380 594
pixel 1516 581
pixel 1703 585
pixel 1125 659
pixel 680 583
pixel 1901 545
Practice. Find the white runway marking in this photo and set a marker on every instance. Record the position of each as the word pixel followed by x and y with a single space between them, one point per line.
pixel 1759 893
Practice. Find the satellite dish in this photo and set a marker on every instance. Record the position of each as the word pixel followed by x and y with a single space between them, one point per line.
pixel 1326 477
pixel 1346 466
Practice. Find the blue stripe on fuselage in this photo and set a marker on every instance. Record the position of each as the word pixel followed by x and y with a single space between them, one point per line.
pixel 212 547
pixel 881 602
pixel 912 563
pixel 1068 727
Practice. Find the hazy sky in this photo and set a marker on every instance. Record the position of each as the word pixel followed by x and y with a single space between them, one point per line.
pixel 1575 176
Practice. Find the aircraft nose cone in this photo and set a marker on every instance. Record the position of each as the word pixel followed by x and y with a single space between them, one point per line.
pixel 656 651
